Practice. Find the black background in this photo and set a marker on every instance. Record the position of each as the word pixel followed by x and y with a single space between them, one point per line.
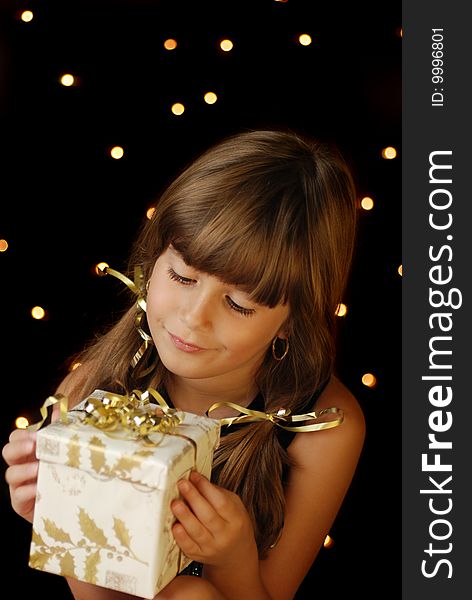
pixel 65 204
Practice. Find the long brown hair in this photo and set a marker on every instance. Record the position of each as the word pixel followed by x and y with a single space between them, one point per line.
pixel 274 211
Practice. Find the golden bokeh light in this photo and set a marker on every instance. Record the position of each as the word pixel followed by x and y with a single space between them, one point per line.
pixel 100 268
pixel 38 313
pixel 210 98
pixel 170 44
pixel 369 380
pixel 389 152
pixel 26 16
pixel 178 109
pixel 150 212
pixel 67 80
pixel 304 39
pixel 341 310
pixel 74 366
pixel 3 245
pixel 328 542
pixel 226 45
pixel 21 423
pixel 367 203
pixel 117 152
pixel 400 270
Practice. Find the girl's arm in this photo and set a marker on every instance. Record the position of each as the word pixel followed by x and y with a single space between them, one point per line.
pixel 326 462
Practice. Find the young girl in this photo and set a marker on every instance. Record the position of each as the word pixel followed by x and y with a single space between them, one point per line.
pixel 245 261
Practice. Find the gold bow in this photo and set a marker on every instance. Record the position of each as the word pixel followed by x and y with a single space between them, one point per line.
pixel 134 413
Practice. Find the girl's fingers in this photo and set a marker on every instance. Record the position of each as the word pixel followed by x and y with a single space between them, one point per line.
pixel 20 449
pixel 203 511
pixel 186 543
pixel 191 524
pixel 23 500
pixel 19 475
pixel 222 501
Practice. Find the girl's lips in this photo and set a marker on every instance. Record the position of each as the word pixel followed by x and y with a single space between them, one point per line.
pixel 181 345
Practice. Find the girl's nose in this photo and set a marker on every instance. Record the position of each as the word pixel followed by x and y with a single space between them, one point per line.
pixel 196 313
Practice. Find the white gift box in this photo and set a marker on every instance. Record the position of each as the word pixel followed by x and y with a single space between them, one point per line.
pixel 102 512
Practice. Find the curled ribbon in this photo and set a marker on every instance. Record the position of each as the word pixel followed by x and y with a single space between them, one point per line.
pixel 137 287
pixel 282 415
pixel 135 414
pixel 50 401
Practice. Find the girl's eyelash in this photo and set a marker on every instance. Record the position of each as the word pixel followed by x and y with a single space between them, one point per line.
pixel 247 312
pixel 173 275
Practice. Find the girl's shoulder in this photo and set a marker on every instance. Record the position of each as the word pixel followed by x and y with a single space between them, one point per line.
pixel 350 433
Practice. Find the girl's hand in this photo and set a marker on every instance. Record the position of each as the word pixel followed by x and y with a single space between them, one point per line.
pixel 213 526
pixel 22 472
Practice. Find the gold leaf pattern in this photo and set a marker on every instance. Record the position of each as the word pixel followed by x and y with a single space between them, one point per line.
pixel 90 529
pixel 38 560
pixel 121 532
pixel 55 532
pixel 91 565
pixel 127 463
pixel 67 565
pixel 73 452
pixel 97 454
pixel 37 539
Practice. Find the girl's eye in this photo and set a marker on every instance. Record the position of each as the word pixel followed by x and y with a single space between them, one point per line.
pixel 247 312
pixel 184 280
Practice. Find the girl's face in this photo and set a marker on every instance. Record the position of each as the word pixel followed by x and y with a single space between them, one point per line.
pixel 204 328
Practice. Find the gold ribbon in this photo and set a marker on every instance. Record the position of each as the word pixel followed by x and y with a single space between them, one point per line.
pixel 115 410
pixel 128 412
pixel 281 416
pixel 138 287
pixel 50 401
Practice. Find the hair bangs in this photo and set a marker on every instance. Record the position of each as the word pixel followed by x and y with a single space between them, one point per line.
pixel 263 263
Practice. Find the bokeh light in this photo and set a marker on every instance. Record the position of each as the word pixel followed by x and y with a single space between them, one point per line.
pixel 26 16
pixel 21 423
pixel 400 270
pixel 210 98
pixel 3 245
pixel 304 39
pixel 117 152
pixel 389 152
pixel 150 212
pixel 226 45
pixel 178 109
pixel 67 80
pixel 369 380
pixel 367 203
pixel 170 44
pixel 38 313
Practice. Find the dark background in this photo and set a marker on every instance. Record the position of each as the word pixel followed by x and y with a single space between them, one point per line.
pixel 65 204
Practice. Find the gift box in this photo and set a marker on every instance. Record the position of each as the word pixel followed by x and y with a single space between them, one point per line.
pixel 102 512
